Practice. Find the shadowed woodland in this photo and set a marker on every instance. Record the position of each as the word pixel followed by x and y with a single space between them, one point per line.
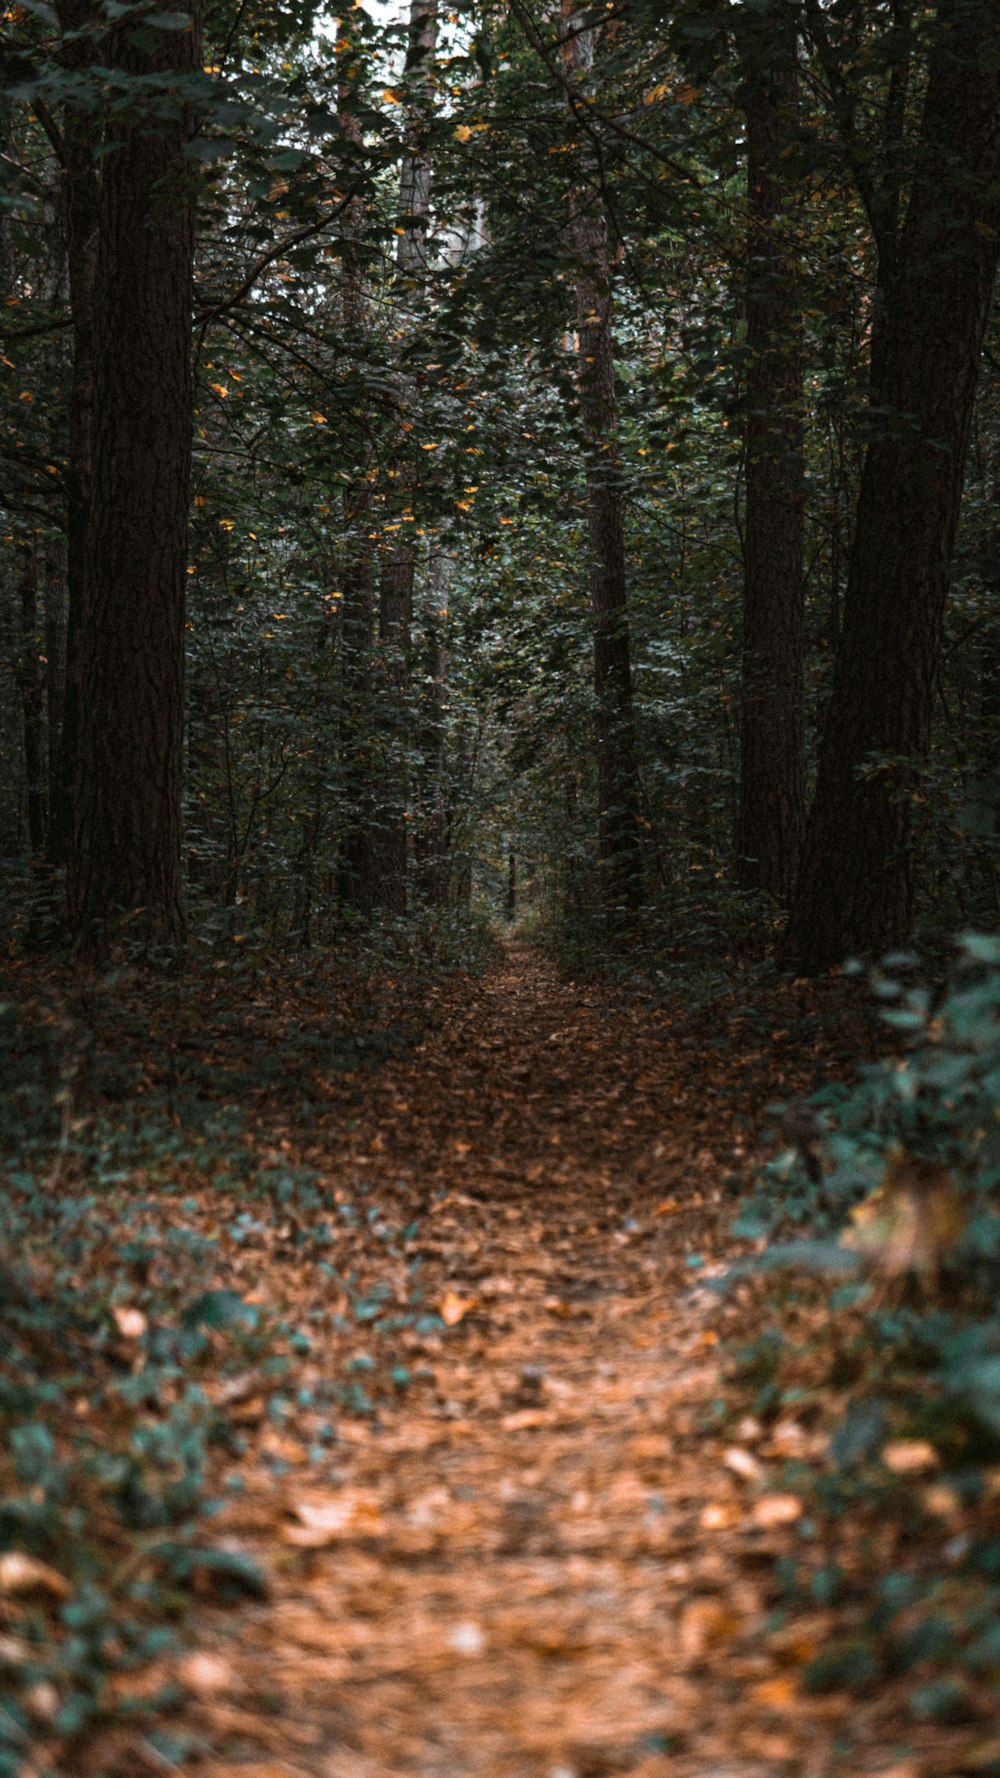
pixel 499 615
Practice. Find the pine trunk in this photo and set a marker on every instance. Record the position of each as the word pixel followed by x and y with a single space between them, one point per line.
pixel 771 813
pixel 619 850
pixel 126 851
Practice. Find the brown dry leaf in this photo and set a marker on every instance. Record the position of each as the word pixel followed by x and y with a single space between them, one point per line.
pixel 909 1456
pixel 720 1515
pixel 20 1573
pixel 743 1464
pixel 206 1674
pixel 525 1420
pixel 279 1445
pixel 269 1769
pixel 780 1693
pixel 453 1308
pixel 704 1623
pixel 352 1513
pixel 131 1323
pixel 772 1510
pixel 940 1500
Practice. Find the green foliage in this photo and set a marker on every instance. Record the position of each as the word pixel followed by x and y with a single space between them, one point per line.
pixel 911 1182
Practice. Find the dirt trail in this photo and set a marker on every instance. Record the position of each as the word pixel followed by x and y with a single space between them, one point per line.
pixel 524 1565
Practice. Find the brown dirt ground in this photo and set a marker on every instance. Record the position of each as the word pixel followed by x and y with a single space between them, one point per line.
pixel 542 1558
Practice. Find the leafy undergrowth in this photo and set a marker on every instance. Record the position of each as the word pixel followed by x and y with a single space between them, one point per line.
pixel 893 1377
pixel 131 1108
pixel 369 1408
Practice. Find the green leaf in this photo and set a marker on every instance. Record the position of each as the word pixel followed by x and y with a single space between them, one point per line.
pixel 219 1308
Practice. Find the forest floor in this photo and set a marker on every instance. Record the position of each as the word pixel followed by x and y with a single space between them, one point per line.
pixel 511 1518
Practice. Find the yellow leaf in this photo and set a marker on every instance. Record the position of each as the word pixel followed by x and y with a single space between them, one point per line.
pixel 220 390
pixel 453 1308
pixel 775 1694
pixel 318 419
pixel 463 132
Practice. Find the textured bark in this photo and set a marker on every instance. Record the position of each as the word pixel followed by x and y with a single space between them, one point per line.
pixel 432 838
pixel 771 812
pixel 32 703
pixel 80 208
pixel 856 885
pixel 619 850
pixel 355 859
pixel 389 824
pixel 126 851
pixel 56 621
pixel 397 577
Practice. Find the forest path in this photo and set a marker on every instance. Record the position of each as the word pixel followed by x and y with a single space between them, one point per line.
pixel 531 1559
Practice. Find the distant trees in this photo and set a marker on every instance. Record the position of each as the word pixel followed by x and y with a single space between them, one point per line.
pixel 521 497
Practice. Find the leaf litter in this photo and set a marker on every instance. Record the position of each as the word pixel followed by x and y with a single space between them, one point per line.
pixel 508 1516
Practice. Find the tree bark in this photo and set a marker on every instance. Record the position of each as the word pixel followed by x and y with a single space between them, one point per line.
pixel 355 857
pixel 619 849
pixel 390 846
pixel 856 885
pixel 126 848
pixel 80 209
pixel 32 703
pixel 771 811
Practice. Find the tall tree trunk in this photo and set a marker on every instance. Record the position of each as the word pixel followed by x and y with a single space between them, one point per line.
pixel 126 851
pixel 80 208
pixel 771 812
pixel 396 580
pixel 389 828
pixel 432 839
pixel 32 702
pixel 619 848
pixel 355 860
pixel 856 884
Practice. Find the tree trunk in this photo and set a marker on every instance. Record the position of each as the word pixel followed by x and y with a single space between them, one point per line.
pixel 32 703
pixel 771 813
pixel 432 839
pixel 80 208
pixel 396 581
pixel 355 859
pixel 126 851
pixel 619 850
pixel 855 890
pixel 389 828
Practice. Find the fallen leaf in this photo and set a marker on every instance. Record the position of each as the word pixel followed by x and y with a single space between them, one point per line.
pixel 743 1464
pixel 772 1510
pixel 206 1674
pixel 131 1323
pixel 20 1573
pixel 703 1623
pixel 453 1308
pixel 718 1515
pixel 341 1516
pixel 909 1456
pixel 776 1694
